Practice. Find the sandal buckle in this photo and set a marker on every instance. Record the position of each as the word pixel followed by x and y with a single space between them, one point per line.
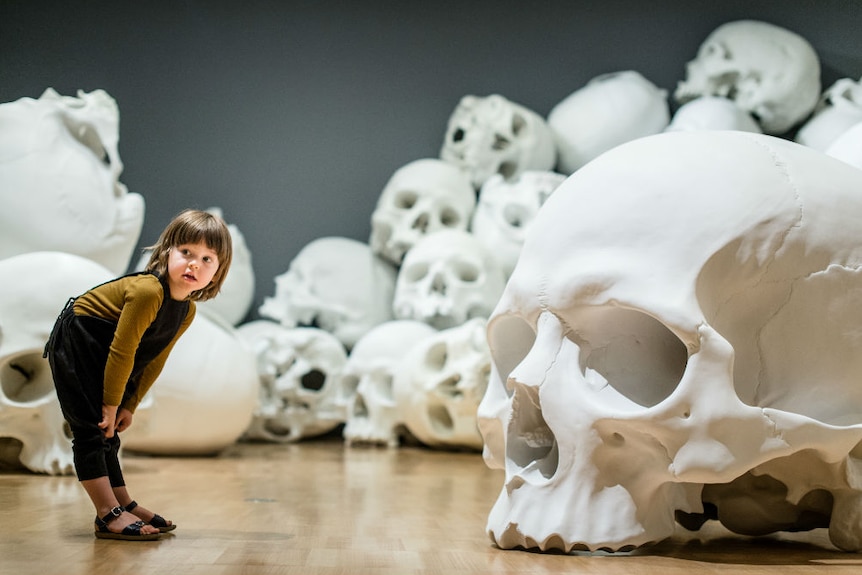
pixel 117 511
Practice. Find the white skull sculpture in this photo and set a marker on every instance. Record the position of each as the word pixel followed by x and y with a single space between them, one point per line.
pixel 768 71
pixel 439 384
pixel 335 284
pixel 59 172
pixel 421 197
pixel 683 324
pixel 446 279
pixel 33 290
pixel 505 210
pixel 203 400
pixel 848 146
pixel 298 368
pixel 366 382
pixel 712 113
pixel 839 108
pixel 492 135
pixel 609 110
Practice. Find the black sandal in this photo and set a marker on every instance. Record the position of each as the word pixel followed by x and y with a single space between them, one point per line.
pixel 157 521
pixel 131 532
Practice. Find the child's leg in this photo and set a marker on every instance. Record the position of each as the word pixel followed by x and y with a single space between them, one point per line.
pixel 104 500
pixel 118 486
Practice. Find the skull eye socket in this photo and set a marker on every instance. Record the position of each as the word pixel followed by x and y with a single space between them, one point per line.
pixel 436 357
pixel 466 272
pixel 313 380
pixel 349 385
pixel 406 199
pixel 416 272
pixel 630 351
pixel 458 135
pixel 449 217
pixel 518 124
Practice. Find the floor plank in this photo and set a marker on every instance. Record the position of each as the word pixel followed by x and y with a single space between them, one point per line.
pixel 320 508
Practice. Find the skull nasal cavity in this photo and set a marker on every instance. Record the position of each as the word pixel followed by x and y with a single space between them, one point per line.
pixel 313 380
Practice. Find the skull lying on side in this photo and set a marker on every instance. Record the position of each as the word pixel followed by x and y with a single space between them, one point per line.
pixel 768 71
pixel 439 384
pixel 681 335
pixel 33 289
pixel 493 135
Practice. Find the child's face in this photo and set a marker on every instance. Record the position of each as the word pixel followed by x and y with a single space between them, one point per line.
pixel 190 267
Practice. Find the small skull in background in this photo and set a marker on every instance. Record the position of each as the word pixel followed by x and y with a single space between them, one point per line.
pixel 59 172
pixel 366 382
pixel 768 71
pixel 492 135
pixel 712 113
pixel 335 284
pixel 298 368
pixel 839 108
pixel 420 198
pixel 33 289
pixel 505 210
pixel 446 279
pixel 440 383
pixel 609 110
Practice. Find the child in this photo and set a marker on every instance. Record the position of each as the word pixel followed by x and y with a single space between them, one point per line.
pixel 109 345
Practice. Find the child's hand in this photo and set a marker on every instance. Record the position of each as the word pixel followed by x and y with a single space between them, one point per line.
pixel 124 420
pixel 109 417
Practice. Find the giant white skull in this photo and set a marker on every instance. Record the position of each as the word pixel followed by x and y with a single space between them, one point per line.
pixel 839 108
pixel 683 324
pixel 446 279
pixel 335 284
pixel 421 197
pixel 204 399
pixel 848 146
pixel 439 383
pixel 505 210
pixel 712 113
pixel 298 370
pixel 366 382
pixel 59 172
pixel 768 71
pixel 33 290
pixel 609 110
pixel 493 135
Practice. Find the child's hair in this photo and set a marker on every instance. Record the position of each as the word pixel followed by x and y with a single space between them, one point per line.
pixel 191 227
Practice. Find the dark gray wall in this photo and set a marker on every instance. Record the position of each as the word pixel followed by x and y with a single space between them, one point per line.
pixel 291 116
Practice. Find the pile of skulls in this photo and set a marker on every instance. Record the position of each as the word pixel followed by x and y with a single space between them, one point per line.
pixel 647 320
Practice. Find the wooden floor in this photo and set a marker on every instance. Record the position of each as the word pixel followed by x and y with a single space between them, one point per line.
pixel 321 508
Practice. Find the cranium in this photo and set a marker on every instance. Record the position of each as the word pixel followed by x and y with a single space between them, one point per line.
pixel 682 326
pixel 839 108
pixel 335 284
pixel 421 197
pixel 609 110
pixel 505 210
pixel 298 368
pixel 33 289
pixel 768 71
pixel 492 135
pixel 366 382
pixel 446 279
pixel 439 384
pixel 59 172
pixel 203 400
pixel 848 146
pixel 712 113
